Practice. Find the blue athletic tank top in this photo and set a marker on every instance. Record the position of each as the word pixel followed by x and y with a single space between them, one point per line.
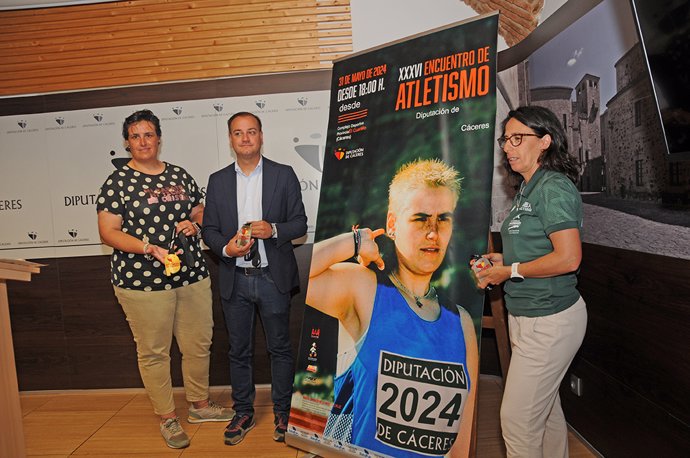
pixel 405 391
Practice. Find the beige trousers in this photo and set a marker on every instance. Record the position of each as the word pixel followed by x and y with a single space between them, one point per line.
pixel 154 318
pixel 532 420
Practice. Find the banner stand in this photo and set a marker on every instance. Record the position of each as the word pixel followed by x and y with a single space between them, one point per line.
pixel 497 321
pixel 407 173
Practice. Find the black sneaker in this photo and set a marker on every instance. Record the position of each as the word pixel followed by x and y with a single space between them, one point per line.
pixel 281 421
pixel 238 427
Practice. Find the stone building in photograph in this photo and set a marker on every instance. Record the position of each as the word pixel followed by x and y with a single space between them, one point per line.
pixel 632 136
pixel 622 149
pixel 581 121
pixel 637 163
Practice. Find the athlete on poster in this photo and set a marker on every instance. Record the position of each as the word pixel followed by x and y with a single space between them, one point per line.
pixel 405 202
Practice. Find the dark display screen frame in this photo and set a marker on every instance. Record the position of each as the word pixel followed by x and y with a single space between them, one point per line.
pixel 664 30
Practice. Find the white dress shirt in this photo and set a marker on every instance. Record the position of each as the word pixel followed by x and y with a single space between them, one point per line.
pixel 249 194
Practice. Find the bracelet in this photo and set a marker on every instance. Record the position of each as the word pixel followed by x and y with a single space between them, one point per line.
pixel 197 229
pixel 357 236
pixel 147 256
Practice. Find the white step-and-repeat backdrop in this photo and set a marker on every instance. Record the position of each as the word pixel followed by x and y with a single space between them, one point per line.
pixel 53 164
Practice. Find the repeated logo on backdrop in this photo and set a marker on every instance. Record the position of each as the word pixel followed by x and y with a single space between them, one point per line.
pixel 71 153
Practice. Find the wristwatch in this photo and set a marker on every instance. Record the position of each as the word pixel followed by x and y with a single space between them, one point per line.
pixel 514 274
pixel 274 231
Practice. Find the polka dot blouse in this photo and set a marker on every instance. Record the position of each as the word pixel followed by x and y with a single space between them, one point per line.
pixel 150 207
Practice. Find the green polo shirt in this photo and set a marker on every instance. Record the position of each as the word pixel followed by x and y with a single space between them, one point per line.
pixel 550 202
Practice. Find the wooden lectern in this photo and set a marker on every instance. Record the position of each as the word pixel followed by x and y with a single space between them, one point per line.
pixel 11 429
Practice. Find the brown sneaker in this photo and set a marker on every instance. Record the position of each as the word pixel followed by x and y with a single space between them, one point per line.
pixel 238 427
pixel 281 421
pixel 174 435
pixel 212 412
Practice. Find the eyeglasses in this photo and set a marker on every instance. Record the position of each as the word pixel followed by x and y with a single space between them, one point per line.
pixel 514 139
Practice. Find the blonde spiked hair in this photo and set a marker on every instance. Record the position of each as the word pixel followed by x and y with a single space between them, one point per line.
pixel 430 173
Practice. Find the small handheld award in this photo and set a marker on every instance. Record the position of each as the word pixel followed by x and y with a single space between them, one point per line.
pixel 480 263
pixel 172 264
pixel 245 235
pixel 172 261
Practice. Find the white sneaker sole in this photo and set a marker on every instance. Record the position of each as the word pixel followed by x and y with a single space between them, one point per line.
pixel 193 420
pixel 204 420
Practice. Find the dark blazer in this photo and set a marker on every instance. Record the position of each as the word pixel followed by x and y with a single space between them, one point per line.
pixel 281 204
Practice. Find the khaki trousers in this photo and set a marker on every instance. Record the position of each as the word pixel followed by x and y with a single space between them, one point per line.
pixel 154 318
pixel 532 420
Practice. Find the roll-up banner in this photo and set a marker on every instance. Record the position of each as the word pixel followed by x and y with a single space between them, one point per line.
pixel 388 358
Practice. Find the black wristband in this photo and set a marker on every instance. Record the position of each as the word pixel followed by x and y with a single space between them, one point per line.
pixel 357 237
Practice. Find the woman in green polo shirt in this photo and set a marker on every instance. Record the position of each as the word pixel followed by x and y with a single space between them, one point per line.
pixel 541 255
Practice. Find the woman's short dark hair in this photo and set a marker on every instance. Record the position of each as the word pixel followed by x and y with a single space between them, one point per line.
pixel 138 116
pixel 543 121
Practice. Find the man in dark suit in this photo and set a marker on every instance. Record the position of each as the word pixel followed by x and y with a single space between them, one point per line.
pixel 258 275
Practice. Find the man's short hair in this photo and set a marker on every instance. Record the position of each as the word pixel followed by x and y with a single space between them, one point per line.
pixel 423 173
pixel 244 113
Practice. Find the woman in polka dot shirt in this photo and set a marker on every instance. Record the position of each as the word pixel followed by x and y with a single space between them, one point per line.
pixel 143 207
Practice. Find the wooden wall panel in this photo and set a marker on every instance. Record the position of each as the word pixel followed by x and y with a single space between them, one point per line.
pixel 311 80
pixel 150 41
pixel 70 332
pixel 620 422
pixel 634 360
